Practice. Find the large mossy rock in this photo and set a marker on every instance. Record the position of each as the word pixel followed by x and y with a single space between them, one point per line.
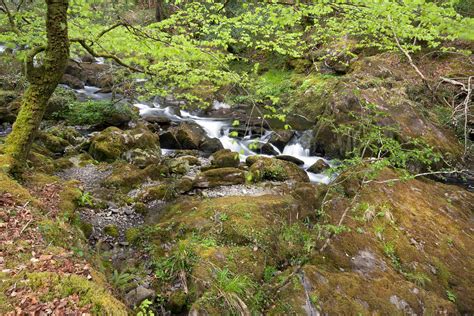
pixel 225 158
pixel 139 145
pixel 220 176
pixel 188 135
pixel 272 169
pixel 384 83
pixel 405 243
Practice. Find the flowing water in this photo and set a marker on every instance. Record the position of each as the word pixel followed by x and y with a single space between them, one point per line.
pixel 220 128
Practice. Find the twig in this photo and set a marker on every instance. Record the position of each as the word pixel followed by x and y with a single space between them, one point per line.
pixel 410 60
pixel 415 176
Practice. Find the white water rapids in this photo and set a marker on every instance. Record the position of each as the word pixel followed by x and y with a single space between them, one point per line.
pixel 220 128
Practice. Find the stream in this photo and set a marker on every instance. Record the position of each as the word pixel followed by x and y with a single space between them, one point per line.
pixel 220 128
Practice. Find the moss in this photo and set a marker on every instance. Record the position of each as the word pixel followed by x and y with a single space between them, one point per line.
pixel 89 292
pixel 225 158
pixel 9 186
pixel 52 142
pixel 276 170
pixel 140 208
pixel 108 145
pixel 111 230
pixel 61 234
pixel 165 192
pixel 132 235
pixel 86 228
pixel 177 302
pixel 98 113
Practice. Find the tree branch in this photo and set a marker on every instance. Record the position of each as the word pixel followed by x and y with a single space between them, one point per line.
pixel 91 51
pixel 11 18
pixel 31 72
pixel 410 60
pixel 111 28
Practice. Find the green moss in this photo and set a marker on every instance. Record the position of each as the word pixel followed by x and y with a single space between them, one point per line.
pixel 107 145
pixel 111 230
pixel 86 228
pixel 89 292
pixel 61 234
pixel 18 192
pixel 276 170
pixel 133 234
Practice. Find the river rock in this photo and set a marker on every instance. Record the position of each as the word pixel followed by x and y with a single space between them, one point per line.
pixel 217 177
pixel 211 145
pixel 273 169
pixel 113 143
pixel 266 149
pixel 188 135
pixel 72 81
pixel 225 158
pixel 9 106
pixel 91 74
pixel 280 139
pixel 319 166
pixel 292 159
pixel 137 295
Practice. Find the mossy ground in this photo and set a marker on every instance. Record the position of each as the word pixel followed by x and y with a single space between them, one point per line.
pixel 43 251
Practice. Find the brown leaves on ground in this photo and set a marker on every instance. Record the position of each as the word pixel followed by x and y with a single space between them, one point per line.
pixel 22 249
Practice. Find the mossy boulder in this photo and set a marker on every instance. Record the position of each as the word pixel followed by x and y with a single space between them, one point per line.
pixel 189 135
pixel 126 176
pixel 417 228
pixel 108 145
pixel 225 158
pixel 276 170
pixel 220 176
pixel 139 145
pixel 382 82
pixel 164 191
pixel 55 144
pixel 319 166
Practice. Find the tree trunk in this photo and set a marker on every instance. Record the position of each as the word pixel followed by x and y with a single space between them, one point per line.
pixel 43 81
pixel 160 13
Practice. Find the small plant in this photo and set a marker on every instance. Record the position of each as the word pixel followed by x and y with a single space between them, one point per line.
pixel 145 308
pixel 85 199
pixel 451 296
pixel 418 278
pixel 121 280
pixel 233 290
pixel 177 265
pixel 268 273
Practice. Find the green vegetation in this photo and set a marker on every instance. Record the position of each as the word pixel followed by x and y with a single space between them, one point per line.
pixel 97 113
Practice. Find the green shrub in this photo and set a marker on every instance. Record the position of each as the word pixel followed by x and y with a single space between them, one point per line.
pixel 98 113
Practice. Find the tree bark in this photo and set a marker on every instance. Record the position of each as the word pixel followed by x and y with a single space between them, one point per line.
pixel 160 13
pixel 43 80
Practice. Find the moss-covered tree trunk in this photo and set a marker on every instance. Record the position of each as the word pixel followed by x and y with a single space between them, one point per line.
pixel 43 80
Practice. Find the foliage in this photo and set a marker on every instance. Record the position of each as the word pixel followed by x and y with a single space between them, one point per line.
pixel 196 45
pixel 85 199
pixel 145 308
pixel 234 291
pixel 95 112
pixel 180 261
pixel 375 147
pixel 120 280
